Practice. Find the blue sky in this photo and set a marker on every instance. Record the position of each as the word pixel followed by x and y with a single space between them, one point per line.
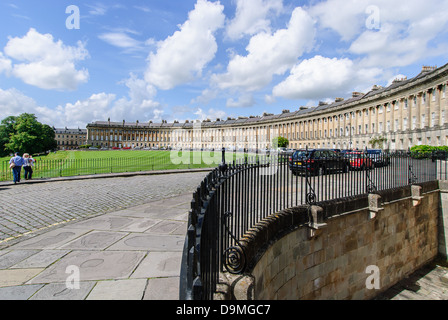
pixel 197 59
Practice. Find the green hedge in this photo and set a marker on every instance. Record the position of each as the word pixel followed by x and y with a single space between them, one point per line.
pixel 424 151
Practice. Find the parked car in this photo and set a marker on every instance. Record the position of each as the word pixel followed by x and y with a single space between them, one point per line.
pixel 379 158
pixel 359 160
pixel 317 162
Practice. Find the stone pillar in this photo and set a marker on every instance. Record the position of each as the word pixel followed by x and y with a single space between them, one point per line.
pixel 443 220
pixel 419 111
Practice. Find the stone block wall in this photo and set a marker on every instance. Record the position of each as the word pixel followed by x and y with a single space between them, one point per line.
pixel 443 220
pixel 342 250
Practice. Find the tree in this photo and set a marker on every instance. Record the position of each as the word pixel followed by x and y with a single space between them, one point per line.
pixel 378 141
pixel 25 134
pixel 6 129
pixel 280 142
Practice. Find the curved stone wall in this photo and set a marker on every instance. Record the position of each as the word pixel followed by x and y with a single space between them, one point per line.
pixel 349 249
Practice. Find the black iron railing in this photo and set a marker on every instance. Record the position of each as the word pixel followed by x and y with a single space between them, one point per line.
pixel 235 197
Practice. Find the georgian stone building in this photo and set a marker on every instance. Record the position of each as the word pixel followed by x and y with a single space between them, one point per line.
pixel 70 139
pixel 409 112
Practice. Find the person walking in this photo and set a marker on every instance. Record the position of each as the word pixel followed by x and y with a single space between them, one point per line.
pixel 16 164
pixel 28 163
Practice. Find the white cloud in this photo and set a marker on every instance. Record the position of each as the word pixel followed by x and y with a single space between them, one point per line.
pixel 96 107
pixel 139 104
pixel 206 96
pixel 13 103
pixel 120 40
pixel 321 77
pixel 211 114
pixel 251 17
pixel 181 57
pixel 402 34
pixel 346 17
pixel 5 64
pixel 46 64
pixel 97 9
pixel 246 100
pixel 268 55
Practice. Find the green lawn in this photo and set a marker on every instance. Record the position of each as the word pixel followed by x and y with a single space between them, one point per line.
pixel 76 163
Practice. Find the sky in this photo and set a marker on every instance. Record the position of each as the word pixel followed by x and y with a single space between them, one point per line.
pixel 75 62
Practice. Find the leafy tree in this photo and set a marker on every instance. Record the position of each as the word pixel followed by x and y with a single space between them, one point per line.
pixel 25 134
pixel 378 141
pixel 280 142
pixel 6 129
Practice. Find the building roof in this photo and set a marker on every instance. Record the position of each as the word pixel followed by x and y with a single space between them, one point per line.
pixel 70 131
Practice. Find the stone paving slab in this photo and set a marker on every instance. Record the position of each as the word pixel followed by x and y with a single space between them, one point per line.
pixel 150 242
pixel 16 277
pixel 129 289
pixel 19 292
pixel 93 265
pixel 424 284
pixel 159 265
pixel 95 240
pixel 131 252
pixel 171 289
pixel 42 259
pixel 51 240
pixel 59 291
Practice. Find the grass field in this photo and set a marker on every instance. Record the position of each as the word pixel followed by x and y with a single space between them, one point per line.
pixel 77 163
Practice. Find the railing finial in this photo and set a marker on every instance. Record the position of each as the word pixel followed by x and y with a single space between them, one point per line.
pixel 223 165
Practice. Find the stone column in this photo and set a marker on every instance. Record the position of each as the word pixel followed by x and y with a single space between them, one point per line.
pixel 418 113
pixel 443 220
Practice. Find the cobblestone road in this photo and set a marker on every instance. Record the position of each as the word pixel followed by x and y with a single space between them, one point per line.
pixel 28 208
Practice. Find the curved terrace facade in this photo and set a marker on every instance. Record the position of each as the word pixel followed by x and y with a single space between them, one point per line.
pixel 409 112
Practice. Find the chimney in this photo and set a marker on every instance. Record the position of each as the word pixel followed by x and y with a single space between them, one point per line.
pixel 428 69
pixel 357 94
pixel 285 111
pixel 339 100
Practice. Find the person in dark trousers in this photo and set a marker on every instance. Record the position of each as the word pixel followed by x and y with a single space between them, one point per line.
pixel 16 163
pixel 28 163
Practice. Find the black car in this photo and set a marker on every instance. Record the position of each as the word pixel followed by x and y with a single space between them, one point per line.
pixel 317 162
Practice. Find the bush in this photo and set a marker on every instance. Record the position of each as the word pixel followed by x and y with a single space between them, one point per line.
pixel 420 152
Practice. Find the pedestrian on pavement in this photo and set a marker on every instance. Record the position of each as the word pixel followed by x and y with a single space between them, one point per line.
pixel 16 164
pixel 28 163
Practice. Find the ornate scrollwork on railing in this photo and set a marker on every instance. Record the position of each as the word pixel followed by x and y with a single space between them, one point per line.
pixel 412 177
pixel 234 258
pixel 370 187
pixel 311 198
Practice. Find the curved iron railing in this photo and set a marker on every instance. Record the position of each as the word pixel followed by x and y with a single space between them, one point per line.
pixel 234 198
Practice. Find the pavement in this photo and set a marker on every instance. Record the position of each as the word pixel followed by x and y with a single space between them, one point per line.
pixel 133 253
pixel 117 237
